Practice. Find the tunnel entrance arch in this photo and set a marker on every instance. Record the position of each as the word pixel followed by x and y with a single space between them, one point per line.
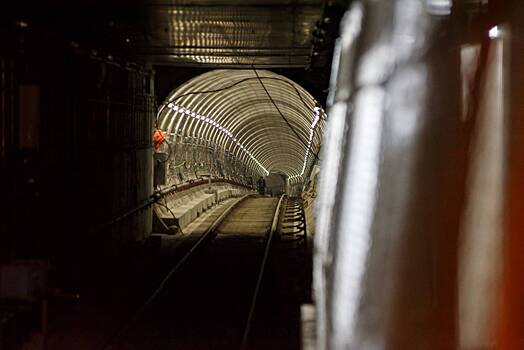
pixel 240 124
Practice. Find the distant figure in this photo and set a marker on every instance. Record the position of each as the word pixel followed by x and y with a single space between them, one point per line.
pixel 261 185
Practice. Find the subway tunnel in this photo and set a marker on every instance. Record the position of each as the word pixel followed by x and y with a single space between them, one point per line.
pixel 261 174
pixel 248 109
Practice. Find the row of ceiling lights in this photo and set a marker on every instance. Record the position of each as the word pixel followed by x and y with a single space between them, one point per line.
pixel 186 112
pixel 316 119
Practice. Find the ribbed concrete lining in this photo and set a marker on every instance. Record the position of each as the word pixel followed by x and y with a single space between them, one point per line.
pixel 246 111
pixel 271 33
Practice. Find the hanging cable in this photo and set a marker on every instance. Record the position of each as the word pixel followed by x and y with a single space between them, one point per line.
pixel 237 83
pixel 281 114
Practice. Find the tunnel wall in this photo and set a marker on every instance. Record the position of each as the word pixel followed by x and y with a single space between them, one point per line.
pixel 179 209
pixel 309 196
pixel 76 147
pixel 188 159
pixel 227 113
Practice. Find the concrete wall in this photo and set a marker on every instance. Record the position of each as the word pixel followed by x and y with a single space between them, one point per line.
pixel 178 209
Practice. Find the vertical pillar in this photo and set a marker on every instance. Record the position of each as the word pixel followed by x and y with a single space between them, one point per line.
pixel 390 270
pixel 511 318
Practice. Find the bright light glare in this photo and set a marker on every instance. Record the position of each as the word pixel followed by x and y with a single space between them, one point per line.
pixel 494 32
pixel 317 112
pixel 316 119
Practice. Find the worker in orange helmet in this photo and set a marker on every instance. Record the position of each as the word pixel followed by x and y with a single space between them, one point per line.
pixel 158 138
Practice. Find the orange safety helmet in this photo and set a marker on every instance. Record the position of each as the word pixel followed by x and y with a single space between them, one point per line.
pixel 158 138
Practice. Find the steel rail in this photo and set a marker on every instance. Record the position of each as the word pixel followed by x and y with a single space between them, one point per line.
pixel 109 344
pixel 272 230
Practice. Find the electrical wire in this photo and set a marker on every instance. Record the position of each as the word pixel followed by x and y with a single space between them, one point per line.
pixel 259 79
pixel 237 83
pixel 281 114
pixel 171 212
pixel 315 154
pixel 273 102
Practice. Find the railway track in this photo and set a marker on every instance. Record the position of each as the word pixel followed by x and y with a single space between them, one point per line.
pixel 219 293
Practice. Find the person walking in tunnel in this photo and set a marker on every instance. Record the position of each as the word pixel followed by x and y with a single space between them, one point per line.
pixel 261 185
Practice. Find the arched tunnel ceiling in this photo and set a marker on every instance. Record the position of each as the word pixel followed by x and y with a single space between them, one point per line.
pixel 232 109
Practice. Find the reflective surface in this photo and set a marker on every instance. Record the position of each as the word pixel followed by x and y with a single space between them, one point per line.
pixel 263 33
pixel 390 190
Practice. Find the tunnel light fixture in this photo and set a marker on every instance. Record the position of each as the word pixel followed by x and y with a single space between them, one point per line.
pixel 314 124
pixel 494 32
pixel 186 112
pixel 317 112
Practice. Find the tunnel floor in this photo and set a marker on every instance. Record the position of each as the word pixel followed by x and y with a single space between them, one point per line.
pixel 205 304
